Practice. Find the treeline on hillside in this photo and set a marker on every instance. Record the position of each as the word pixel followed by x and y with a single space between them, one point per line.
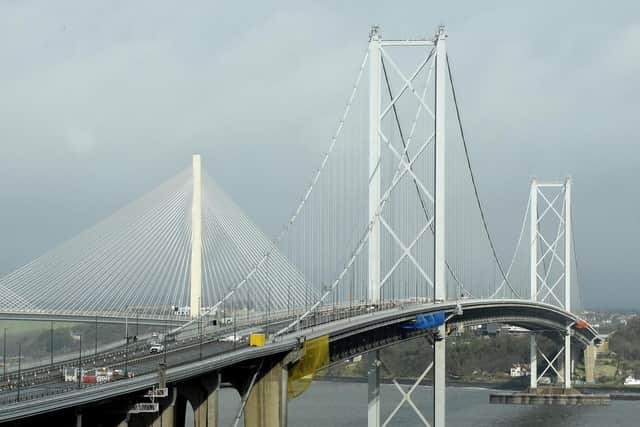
pixel 492 355
pixel 468 357
pixel 625 341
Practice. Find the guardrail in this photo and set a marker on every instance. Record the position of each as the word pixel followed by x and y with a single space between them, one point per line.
pixel 138 361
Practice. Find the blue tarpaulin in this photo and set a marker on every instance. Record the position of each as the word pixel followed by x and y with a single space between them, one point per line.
pixel 427 321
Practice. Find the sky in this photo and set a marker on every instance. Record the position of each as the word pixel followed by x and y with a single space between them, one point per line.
pixel 101 101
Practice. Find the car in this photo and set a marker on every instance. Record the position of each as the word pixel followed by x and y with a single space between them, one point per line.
pixel 231 338
pixel 156 348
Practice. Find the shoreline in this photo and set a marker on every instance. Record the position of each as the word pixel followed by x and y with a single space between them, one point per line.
pixel 508 385
pixel 516 385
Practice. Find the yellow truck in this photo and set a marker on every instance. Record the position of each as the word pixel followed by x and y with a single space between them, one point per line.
pixel 257 340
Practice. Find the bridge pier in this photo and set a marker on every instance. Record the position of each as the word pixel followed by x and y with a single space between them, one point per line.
pixel 553 363
pixel 590 363
pixel 267 400
pixel 203 397
pixel 567 361
pixel 202 394
pixel 167 415
pixel 533 362
pixel 373 388
pixel 439 378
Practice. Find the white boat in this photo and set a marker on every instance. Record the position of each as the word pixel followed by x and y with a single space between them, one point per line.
pixel 630 380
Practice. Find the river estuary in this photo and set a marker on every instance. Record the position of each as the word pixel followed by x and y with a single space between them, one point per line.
pixel 345 405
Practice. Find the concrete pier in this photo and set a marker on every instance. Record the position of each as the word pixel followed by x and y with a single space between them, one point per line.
pixel 267 401
pixel 590 352
pixel 203 397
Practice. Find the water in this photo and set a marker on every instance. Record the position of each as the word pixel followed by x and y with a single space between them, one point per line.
pixel 345 405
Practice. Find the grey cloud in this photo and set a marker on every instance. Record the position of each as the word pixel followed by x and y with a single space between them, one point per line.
pixel 101 102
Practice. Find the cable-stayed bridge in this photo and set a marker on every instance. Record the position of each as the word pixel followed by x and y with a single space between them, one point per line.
pixel 390 228
pixel 138 261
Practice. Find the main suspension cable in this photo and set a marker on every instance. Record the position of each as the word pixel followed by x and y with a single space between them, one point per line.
pixel 475 186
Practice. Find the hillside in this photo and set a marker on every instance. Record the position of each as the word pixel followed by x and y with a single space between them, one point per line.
pixel 624 345
pixel 469 358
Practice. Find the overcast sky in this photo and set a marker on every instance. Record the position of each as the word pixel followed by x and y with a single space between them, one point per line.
pixel 100 101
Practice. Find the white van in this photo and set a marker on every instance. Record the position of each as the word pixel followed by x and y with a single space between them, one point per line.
pixel 156 348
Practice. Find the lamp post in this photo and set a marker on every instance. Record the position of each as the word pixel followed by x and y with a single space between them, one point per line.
pixel 80 362
pixel 51 343
pixel 200 328
pixel 126 341
pixel 95 352
pixel 233 312
pixel 4 355
pixel 268 309
pixel 164 346
pixel 19 369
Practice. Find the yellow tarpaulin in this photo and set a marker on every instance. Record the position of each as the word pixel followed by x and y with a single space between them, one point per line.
pixel 315 357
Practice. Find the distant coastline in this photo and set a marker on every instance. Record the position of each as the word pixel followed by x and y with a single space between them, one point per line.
pixel 498 385
pixel 514 385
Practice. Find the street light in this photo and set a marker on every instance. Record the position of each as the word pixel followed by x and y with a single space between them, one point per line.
pixel 19 369
pixel 96 346
pixel 200 328
pixel 268 309
pixel 80 362
pixel 233 312
pixel 4 355
pixel 51 344
pixel 126 341
pixel 164 346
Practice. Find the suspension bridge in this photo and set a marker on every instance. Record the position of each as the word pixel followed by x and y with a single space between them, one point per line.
pixel 389 233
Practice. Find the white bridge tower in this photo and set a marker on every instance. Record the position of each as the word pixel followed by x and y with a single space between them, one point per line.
pixel 378 55
pixel 550 267
pixel 196 239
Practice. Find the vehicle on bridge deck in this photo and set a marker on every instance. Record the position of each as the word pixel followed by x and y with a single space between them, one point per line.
pixel 257 340
pixel 92 376
pixel 156 348
pixel 221 322
pixel 232 338
pixel 181 311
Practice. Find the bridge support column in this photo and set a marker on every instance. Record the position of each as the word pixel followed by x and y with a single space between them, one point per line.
pixel 167 415
pixel 533 362
pixel 373 381
pixel 567 361
pixel 590 363
pixel 533 279
pixel 568 240
pixel 203 397
pixel 125 421
pixel 267 401
pixel 439 378
pixel 440 263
